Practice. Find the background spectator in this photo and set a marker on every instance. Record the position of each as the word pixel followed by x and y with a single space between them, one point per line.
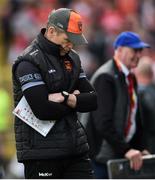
pixel 144 73
pixel 115 129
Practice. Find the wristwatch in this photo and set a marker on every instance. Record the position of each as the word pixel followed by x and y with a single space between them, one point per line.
pixel 65 94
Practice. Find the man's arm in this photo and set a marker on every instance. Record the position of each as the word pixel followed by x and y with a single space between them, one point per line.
pixel 82 99
pixel 36 94
pixel 86 100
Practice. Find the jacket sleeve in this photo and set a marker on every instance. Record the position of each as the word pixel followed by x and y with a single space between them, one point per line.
pixel 87 99
pixel 36 93
pixel 103 116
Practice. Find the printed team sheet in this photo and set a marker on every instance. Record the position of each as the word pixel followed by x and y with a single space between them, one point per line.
pixel 24 112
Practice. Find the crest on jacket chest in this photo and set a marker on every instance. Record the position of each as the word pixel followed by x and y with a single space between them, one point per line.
pixel 68 65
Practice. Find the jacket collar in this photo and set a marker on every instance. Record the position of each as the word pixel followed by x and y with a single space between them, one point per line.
pixel 46 45
pixel 121 67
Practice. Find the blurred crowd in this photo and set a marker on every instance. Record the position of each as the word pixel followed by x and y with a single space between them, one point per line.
pixel 21 20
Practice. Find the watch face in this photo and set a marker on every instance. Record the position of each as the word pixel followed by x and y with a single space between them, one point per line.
pixel 65 93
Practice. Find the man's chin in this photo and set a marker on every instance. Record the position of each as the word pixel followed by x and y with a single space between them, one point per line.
pixel 63 52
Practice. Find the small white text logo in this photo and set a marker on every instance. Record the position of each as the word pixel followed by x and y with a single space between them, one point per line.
pixel 52 71
pixel 45 174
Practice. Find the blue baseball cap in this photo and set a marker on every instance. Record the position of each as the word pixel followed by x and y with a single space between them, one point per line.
pixel 130 39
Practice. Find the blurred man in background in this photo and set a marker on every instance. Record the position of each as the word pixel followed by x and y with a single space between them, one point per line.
pixel 114 129
pixel 146 88
pixel 50 76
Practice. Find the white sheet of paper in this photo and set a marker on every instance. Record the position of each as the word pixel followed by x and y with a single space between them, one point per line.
pixel 24 112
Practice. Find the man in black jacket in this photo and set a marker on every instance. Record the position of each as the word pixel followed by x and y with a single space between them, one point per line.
pixel 113 129
pixel 50 76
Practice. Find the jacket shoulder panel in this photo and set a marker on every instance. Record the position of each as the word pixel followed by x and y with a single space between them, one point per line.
pixel 107 69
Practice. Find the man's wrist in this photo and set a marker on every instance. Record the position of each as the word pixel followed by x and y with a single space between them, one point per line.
pixel 65 94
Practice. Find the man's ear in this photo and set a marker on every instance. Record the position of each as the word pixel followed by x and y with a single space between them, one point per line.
pixel 51 30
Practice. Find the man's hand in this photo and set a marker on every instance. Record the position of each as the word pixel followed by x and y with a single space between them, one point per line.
pixel 76 92
pixel 56 97
pixel 135 158
pixel 145 152
pixel 72 99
